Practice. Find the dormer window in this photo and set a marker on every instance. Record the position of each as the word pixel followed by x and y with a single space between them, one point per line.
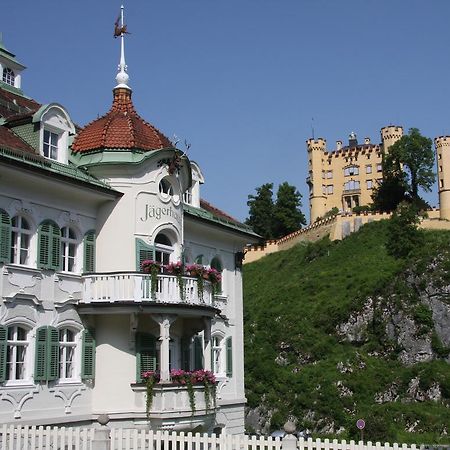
pixel 8 76
pixel 50 145
pixel 55 129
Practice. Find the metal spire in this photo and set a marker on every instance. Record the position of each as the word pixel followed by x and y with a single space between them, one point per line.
pixel 122 76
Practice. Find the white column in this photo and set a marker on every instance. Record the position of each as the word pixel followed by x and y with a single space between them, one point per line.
pixel 207 344
pixel 165 321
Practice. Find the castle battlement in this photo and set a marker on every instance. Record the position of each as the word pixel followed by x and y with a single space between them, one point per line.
pixel 391 132
pixel 442 141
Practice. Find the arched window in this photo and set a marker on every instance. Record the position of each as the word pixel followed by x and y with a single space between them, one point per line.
pixel 20 240
pixel 67 348
pixel 17 342
pixel 68 249
pixel 8 76
pixel 163 248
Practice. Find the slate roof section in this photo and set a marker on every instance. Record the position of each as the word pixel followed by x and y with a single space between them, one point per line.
pixel 14 106
pixel 11 141
pixel 210 213
pixel 121 128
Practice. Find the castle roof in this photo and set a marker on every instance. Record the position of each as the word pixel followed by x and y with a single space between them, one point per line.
pixel 121 128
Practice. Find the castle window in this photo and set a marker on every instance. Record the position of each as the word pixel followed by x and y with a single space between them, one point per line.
pixel 379 167
pixel 440 168
pixel 351 185
pixel 20 240
pixel 350 171
pixel 439 156
pixel 369 168
pixel 330 189
pixel 329 174
pixel 8 76
pixel 441 183
pixel 369 184
pixel 50 145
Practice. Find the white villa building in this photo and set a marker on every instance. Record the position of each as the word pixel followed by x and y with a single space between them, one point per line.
pixel 80 209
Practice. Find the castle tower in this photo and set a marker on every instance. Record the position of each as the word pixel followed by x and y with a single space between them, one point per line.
pixel 317 198
pixel 442 144
pixel 390 135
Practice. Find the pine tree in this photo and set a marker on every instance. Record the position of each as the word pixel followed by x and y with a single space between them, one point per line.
pixel 288 216
pixel 261 209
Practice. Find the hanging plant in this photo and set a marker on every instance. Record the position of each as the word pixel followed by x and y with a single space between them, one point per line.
pixel 189 379
pixel 153 268
pixel 150 378
pixel 177 269
pixel 200 273
pixel 215 277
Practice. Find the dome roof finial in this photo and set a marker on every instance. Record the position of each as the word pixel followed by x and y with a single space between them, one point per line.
pixel 119 31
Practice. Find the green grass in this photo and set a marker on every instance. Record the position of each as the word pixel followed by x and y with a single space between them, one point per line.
pixel 293 301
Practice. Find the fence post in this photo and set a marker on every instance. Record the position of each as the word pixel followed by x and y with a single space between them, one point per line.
pixel 102 440
pixel 289 441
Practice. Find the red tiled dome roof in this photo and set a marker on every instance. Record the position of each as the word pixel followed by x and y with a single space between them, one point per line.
pixel 120 128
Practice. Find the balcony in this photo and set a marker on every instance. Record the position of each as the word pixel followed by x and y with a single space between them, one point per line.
pixel 171 404
pixel 136 287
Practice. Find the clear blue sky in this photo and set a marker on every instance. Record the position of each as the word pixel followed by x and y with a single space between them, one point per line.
pixel 241 80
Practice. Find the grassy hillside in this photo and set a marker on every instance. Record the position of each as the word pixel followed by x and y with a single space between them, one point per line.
pixel 298 363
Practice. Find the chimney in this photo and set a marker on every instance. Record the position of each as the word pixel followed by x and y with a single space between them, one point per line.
pixel 352 141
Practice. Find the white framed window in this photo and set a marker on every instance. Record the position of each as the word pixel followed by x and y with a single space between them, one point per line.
pixel 369 184
pixel 329 174
pixel 68 249
pixel 163 249
pixel 8 76
pixel 369 168
pixel 20 240
pixel 16 353
pixel 217 355
pixel 330 189
pixel 379 167
pixel 67 354
pixel 187 196
pixel 50 145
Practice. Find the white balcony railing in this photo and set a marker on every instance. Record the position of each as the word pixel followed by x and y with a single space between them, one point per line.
pixel 137 287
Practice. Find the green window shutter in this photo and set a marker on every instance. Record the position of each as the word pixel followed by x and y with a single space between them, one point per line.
pixel 88 364
pixel 56 262
pixel 3 345
pixel 143 252
pixel 89 252
pixel 229 350
pixel 40 366
pixel 185 353
pixel 5 237
pixel 145 354
pixel 49 251
pixel 52 353
pixel 198 353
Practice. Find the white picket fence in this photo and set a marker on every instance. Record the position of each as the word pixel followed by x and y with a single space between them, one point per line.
pixel 62 438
